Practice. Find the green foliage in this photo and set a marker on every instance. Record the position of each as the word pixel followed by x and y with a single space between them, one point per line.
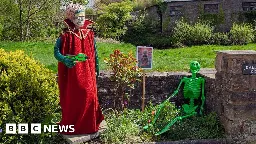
pixel 246 17
pixel 125 73
pixel 168 113
pixel 250 16
pixel 213 19
pixel 83 2
pixel 254 23
pixel 241 34
pixel 204 127
pixel 89 11
pixel 144 31
pixel 220 39
pixel 111 23
pixel 27 19
pixel 121 128
pixel 127 126
pixel 197 34
pixel 142 4
pixel 9 16
pixel 28 94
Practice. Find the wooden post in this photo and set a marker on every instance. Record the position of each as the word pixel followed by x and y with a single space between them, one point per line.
pixel 143 91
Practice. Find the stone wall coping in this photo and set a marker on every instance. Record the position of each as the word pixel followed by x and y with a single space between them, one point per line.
pixel 209 72
pixel 244 52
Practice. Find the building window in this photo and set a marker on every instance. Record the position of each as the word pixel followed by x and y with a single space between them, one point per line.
pixel 211 8
pixel 249 6
pixel 175 10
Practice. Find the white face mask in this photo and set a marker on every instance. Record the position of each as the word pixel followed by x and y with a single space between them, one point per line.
pixel 79 20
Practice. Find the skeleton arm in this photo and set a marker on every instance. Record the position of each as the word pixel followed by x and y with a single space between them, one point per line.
pixel 177 90
pixel 163 104
pixel 203 96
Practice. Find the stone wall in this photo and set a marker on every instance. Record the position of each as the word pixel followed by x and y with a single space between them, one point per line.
pixel 158 86
pixel 191 10
pixel 237 92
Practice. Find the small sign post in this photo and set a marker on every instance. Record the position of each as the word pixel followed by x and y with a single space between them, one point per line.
pixel 144 59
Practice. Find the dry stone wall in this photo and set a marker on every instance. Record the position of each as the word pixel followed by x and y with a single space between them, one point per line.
pixel 158 87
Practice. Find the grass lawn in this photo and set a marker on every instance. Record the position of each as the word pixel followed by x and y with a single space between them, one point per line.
pixel 163 60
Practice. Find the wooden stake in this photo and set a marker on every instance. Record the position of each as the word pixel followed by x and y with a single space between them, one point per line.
pixel 143 91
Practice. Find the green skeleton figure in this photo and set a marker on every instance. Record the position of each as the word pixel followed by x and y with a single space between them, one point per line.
pixel 193 86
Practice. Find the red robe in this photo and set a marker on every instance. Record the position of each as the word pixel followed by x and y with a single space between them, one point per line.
pixel 77 85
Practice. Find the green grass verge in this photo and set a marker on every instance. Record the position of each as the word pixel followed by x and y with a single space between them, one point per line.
pixel 163 60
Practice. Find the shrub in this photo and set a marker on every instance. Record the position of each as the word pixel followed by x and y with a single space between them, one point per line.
pixel 254 23
pixel 111 23
pixel 200 33
pixel 197 34
pixel 181 32
pixel 141 30
pixel 127 126
pixel 241 34
pixel 196 127
pixel 121 128
pixel 220 39
pixel 28 94
pixel 125 74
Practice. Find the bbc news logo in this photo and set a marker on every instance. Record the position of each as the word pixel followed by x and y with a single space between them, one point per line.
pixel 36 128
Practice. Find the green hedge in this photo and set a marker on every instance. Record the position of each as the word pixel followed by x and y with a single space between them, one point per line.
pixel 28 94
pixel 241 34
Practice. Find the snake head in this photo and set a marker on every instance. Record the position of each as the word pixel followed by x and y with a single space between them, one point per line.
pixel 194 66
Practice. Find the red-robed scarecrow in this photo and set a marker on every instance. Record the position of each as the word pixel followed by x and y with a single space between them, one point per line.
pixel 76 52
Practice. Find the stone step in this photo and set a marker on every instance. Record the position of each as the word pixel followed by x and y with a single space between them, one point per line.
pixel 77 139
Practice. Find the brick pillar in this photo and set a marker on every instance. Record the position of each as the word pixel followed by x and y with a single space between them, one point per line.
pixel 237 92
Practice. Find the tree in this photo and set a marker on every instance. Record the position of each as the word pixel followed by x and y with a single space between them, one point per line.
pixel 8 16
pixel 111 22
pixel 28 18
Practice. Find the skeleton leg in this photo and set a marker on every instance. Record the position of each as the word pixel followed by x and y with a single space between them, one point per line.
pixel 166 128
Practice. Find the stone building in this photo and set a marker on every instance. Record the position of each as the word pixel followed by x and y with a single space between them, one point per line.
pixel 223 12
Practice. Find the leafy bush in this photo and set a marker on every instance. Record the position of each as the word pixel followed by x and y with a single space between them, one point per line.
pixel 121 129
pixel 254 24
pixel 181 32
pixel 241 34
pixel 142 4
pixel 220 39
pixel 28 94
pixel 111 23
pixel 144 31
pixel 127 127
pixel 125 74
pixel 197 127
pixel 197 34
pixel 201 33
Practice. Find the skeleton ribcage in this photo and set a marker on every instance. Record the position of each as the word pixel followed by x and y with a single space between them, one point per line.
pixel 192 88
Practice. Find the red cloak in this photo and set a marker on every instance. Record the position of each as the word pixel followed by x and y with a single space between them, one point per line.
pixel 77 85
